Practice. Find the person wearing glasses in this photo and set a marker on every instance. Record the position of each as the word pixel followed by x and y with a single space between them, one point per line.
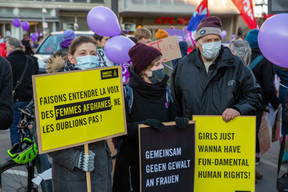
pixel 213 81
pixel 23 67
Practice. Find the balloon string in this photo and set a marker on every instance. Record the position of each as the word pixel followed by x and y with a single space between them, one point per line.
pixel 168 66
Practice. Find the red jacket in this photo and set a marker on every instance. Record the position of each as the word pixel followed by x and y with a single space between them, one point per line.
pixel 2 49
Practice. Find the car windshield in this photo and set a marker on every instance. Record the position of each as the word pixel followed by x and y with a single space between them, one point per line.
pixel 52 44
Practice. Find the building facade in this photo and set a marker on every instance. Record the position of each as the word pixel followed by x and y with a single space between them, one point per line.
pixel 45 16
pixel 155 14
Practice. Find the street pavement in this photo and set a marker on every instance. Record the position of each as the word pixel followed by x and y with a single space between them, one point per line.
pixel 268 163
pixel 268 167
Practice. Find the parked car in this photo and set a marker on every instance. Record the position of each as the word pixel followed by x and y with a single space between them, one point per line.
pixel 50 45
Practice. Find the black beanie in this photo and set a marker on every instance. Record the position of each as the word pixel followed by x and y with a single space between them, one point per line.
pixel 142 56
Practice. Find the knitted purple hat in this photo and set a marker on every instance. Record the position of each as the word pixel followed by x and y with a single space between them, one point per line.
pixel 68 34
pixel 142 55
pixel 209 25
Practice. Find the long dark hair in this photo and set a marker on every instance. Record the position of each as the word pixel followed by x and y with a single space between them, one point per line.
pixel 28 48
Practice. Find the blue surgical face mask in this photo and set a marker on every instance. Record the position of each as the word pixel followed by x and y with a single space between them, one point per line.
pixel 157 76
pixel 87 62
pixel 211 50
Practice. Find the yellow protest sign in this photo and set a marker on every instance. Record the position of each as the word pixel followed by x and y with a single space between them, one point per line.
pixel 78 107
pixel 225 154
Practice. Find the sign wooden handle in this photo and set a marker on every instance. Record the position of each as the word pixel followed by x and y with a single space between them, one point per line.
pixel 88 176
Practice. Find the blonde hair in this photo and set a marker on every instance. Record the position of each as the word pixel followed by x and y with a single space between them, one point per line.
pixel 142 33
pixel 242 50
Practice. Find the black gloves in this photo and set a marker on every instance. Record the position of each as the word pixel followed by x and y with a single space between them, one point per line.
pixel 181 122
pixel 154 123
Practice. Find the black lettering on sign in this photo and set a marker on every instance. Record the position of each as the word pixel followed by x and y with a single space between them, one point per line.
pixel 82 108
pixel 242 191
pixel 109 73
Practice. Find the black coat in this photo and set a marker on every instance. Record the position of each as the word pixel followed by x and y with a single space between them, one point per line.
pixel 17 59
pixel 264 74
pixel 6 103
pixel 229 84
pixel 148 103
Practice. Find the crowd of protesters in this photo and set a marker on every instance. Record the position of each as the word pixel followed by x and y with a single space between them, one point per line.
pixel 211 80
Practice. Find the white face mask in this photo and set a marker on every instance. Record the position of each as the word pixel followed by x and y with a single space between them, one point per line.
pixel 87 62
pixel 211 50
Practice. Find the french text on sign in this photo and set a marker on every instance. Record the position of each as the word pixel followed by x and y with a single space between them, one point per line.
pixel 81 108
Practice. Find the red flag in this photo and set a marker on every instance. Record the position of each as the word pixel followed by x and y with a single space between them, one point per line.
pixel 246 11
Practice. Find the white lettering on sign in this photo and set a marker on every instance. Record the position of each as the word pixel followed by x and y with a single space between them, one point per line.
pixel 247 9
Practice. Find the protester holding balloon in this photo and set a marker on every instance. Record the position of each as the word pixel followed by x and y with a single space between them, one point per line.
pixel 242 49
pixel 69 166
pixel 152 104
pixel 282 73
pixel 264 73
pixel 272 40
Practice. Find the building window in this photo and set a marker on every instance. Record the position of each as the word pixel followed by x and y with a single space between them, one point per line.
pixel 165 2
pixel 96 1
pixel 138 1
pixel 149 2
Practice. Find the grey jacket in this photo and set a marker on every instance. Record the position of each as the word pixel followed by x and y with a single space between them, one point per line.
pixel 67 177
pixel 228 84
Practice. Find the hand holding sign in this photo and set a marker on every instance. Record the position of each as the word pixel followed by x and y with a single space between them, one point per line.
pixel 181 122
pixel 154 123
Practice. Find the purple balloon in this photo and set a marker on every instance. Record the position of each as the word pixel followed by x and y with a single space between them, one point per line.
pixel 116 49
pixel 273 38
pixel 102 21
pixel 16 22
pixel 34 36
pixel 223 34
pixel 25 25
